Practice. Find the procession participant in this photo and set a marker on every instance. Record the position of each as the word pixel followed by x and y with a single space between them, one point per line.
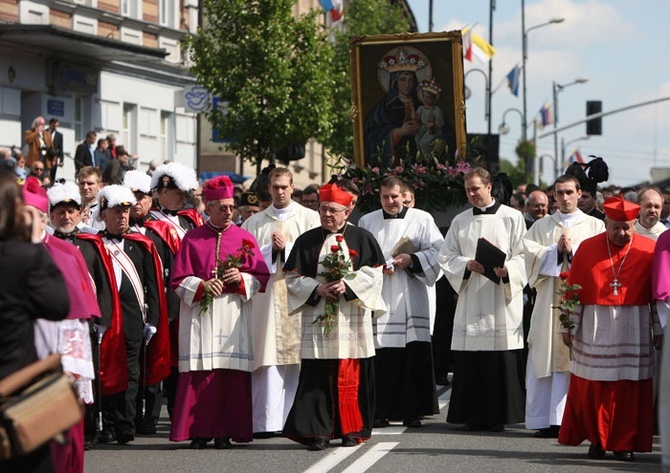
pixel 164 237
pixel 172 182
pixel 34 288
pixel 65 218
pixel 218 268
pixel 613 324
pixel 487 343
pixel 138 278
pixel 248 206
pixel 648 224
pixel 660 285
pixel 410 241
pixel 549 247
pixel 334 279
pixel 276 335
pixel 69 337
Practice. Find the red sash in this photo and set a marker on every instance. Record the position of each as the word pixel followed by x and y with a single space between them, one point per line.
pixel 113 364
pixel 158 350
pixel 192 215
pixel 348 379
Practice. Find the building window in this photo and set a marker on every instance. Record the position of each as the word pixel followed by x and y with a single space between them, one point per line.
pixel 167 13
pixel 79 132
pixel 131 8
pixel 164 142
pixel 129 127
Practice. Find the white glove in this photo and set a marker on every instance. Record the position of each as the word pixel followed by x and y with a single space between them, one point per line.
pixel 149 331
pixel 101 331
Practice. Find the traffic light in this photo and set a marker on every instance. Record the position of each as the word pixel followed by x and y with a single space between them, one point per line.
pixel 595 125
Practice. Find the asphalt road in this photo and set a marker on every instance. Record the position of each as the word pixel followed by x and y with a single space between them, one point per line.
pixel 435 447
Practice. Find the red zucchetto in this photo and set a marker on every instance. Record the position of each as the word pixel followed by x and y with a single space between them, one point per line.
pixel 332 193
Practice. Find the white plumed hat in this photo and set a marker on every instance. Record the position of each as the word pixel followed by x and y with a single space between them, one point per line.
pixel 137 181
pixel 114 196
pixel 66 193
pixel 174 176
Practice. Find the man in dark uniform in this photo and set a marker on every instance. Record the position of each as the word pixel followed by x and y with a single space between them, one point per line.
pixel 65 218
pixel 166 241
pixel 139 281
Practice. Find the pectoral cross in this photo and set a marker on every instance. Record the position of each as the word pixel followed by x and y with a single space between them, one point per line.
pixel 615 286
pixel 214 273
pixel 221 336
pixel 480 314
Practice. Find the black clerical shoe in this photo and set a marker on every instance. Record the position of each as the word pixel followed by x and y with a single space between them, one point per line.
pixel 146 428
pixel 198 443
pixel 380 423
pixel 222 443
pixel 123 438
pixel 624 456
pixel 349 442
pixel 412 423
pixel 106 436
pixel 88 445
pixel 548 433
pixel 319 444
pixel 596 452
pixel 496 428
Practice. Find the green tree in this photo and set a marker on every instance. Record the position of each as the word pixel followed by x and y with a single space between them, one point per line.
pixel 362 17
pixel 270 68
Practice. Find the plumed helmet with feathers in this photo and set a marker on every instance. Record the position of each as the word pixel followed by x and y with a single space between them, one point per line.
pixel 597 172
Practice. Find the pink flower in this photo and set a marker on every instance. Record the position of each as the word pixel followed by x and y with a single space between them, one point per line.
pixel 441 167
pixel 375 170
pixel 368 189
pixel 453 171
pixel 399 169
pixel 463 167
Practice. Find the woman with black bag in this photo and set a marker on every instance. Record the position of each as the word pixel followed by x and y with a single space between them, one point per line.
pixel 32 287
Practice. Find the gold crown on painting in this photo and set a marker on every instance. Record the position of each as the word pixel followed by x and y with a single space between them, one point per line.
pixel 431 86
pixel 402 62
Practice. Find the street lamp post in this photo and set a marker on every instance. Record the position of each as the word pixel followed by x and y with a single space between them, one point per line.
pixel 487 97
pixel 503 129
pixel 556 88
pixel 524 47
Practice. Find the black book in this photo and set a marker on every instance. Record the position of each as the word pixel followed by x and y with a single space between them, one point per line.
pixel 490 256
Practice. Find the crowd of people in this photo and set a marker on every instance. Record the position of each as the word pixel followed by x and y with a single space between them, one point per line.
pixel 261 312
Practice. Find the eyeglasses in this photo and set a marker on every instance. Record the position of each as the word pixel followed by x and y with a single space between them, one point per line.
pixel 331 211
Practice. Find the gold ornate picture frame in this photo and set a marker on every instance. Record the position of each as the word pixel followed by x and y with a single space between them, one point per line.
pixel 407 97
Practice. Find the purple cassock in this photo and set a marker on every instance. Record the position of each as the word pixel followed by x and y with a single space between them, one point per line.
pixel 215 358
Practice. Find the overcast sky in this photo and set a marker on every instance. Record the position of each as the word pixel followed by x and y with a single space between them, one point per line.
pixel 621 46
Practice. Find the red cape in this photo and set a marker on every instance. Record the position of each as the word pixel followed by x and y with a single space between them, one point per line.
pixel 158 350
pixel 592 269
pixel 166 233
pixel 192 215
pixel 113 364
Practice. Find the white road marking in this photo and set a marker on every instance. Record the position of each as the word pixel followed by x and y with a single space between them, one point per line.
pixel 372 456
pixel 331 460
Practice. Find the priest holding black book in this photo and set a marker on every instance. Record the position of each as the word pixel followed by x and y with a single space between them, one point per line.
pixel 487 343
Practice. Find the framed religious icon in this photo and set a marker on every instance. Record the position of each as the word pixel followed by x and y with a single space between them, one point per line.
pixel 407 97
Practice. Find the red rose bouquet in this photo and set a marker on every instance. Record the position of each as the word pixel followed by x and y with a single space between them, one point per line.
pixel 336 268
pixel 233 260
pixel 569 298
